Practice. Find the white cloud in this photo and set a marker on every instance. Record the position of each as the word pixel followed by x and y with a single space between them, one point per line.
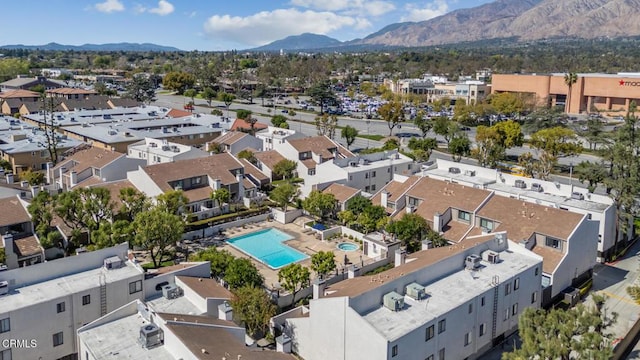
pixel 348 7
pixel 110 6
pixel 192 14
pixel 425 12
pixel 267 26
pixel 164 8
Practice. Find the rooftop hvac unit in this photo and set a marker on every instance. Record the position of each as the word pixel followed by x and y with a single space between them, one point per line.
pixel 536 187
pixel 472 262
pixel 353 164
pixel 577 195
pixel 470 172
pixel 113 262
pixel 4 287
pixel 171 291
pixel 166 147
pixel 416 291
pixel 153 145
pixel 520 184
pixel 150 336
pixel 454 170
pixel 393 301
pixel 493 257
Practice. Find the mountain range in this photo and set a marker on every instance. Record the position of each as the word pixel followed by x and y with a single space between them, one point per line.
pixel 95 47
pixel 520 20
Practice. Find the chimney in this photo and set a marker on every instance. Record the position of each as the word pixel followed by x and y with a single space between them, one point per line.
pixel 384 198
pixel 11 257
pixel 353 271
pixel 318 288
pixel 426 244
pixel 216 184
pixel 437 222
pixel 283 344
pixel 401 255
pixel 225 311
pixel 73 179
pixel 50 174
pixel 240 179
pixel 62 171
pixel 9 178
pixel 35 190
pixel 409 209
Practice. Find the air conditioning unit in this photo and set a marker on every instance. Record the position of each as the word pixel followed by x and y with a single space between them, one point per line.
pixel 150 336
pixel 393 301
pixel 577 195
pixel 470 172
pixel 153 145
pixel 537 187
pixel 171 292
pixel 493 257
pixel 353 164
pixel 113 262
pixel 472 262
pixel 415 291
pixel 166 148
pixel 454 170
pixel 4 287
pixel 520 184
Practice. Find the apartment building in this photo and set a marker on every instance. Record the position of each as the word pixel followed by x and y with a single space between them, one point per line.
pixel 442 303
pixel 266 162
pixel 157 151
pixel 21 247
pixel 12 100
pixel 273 135
pixel 551 194
pixel 235 141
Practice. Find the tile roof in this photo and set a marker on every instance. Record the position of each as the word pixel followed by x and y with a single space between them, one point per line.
pixel 71 91
pixel 341 192
pixel 9 94
pixel 359 285
pixel 177 113
pixel 269 158
pixel 240 124
pixel 206 288
pixel 27 246
pixel 309 163
pixel 218 166
pixel 198 194
pixel 123 102
pixel 320 145
pixel 84 157
pixel 250 169
pixel 438 196
pixel 230 137
pixel 395 190
pixel 92 103
pixel 550 257
pixel 114 188
pixel 13 212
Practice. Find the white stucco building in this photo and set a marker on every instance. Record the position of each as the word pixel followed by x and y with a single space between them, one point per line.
pixel 442 303
pixel 156 151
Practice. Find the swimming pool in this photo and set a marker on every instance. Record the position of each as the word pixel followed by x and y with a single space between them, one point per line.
pixel 267 247
pixel 347 246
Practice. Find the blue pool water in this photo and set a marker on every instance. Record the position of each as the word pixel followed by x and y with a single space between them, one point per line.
pixel 347 246
pixel 266 246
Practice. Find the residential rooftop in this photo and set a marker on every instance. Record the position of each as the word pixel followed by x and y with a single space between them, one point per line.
pixel 13 211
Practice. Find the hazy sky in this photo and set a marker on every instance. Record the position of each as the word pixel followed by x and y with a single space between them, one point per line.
pixel 206 24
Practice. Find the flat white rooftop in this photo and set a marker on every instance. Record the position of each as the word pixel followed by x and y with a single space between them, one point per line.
pixel 119 340
pixel 442 297
pixel 26 296
pixel 180 305
pixel 557 199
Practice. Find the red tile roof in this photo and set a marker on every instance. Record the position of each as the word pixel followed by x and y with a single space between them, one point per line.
pixel 240 124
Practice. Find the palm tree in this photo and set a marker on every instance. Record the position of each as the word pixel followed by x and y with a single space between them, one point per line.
pixel 569 79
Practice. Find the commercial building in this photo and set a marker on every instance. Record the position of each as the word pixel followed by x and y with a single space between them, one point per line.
pixel 443 303
pixel 609 93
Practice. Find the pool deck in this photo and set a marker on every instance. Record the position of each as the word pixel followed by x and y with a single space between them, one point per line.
pixel 303 241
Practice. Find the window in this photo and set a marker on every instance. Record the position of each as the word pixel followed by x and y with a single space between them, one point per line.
pixel 554 243
pixel 441 354
pixel 482 301
pixel 394 351
pixel 366 175
pixel 373 187
pixel 506 314
pixel 537 270
pixel 311 172
pixel 534 297
pixel 442 326
pixel 470 308
pixel 429 333
pixel 5 325
pixel 135 287
pixel 86 300
pixel 507 289
pixel 60 307
pixel 483 329
pixel 43 153
pixel 487 224
pixel 5 354
pixel 514 309
pixel 464 216
pixel 373 174
pixel 430 357
pixel 467 338
pixel 516 284
pixel 57 339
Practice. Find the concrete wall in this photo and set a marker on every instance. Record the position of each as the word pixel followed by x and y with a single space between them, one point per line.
pixel 202 269
pixel 117 169
pixel 214 230
pixel 285 218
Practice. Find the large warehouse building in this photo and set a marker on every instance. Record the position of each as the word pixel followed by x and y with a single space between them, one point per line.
pixel 608 93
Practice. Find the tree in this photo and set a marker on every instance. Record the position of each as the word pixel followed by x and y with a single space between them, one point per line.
pixel 507 103
pixel 178 81
pixel 219 260
pixel 593 132
pixel 575 333
pixel 285 168
pixel 349 133
pixel 445 128
pixel 372 218
pixel 141 89
pixel 358 204
pixel 322 263
pixel 241 272
pixel 220 196
pixel 51 135
pixel 133 203
pixel 3 257
pixel 423 123
pixel 243 113
pixel 553 143
pixel 422 148
pixel 492 142
pixel 191 93
pixel 410 229
pixel 6 165
pixel 278 120
pixel 247 155
pixel 41 211
pixel 157 231
pixel 569 80
pixel 321 94
pixel 393 113
pixel 253 307
pixel 346 217
pixel 318 204
pixel 33 177
pixel 459 146
pixel 110 234
pixel 208 94
pixel 293 278
pixel 283 195
pixel 247 116
pixel 172 201
pixel 326 125
pixel 592 173
pixel 227 99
